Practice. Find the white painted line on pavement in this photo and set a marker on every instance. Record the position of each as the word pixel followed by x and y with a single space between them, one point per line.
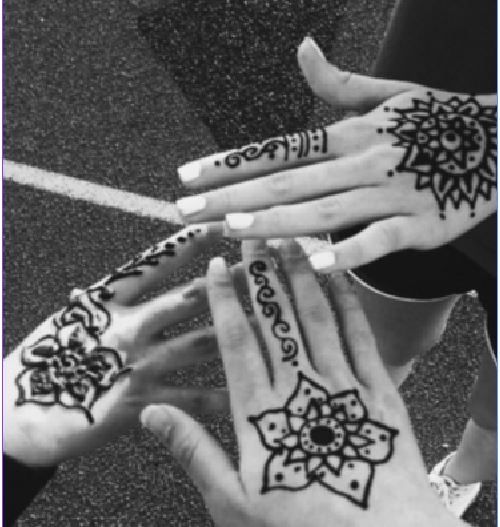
pixel 80 189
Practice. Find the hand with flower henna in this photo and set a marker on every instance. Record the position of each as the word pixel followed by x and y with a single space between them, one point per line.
pixel 415 172
pixel 324 437
pixel 83 376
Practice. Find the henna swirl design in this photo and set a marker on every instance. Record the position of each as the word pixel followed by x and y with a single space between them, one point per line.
pixel 450 146
pixel 71 367
pixel 271 309
pixel 290 147
pixel 320 438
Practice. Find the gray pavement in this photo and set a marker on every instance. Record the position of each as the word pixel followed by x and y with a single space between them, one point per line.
pixel 104 92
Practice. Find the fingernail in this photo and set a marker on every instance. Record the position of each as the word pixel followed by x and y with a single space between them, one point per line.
pixel 189 171
pixel 191 205
pixel 218 264
pixel 239 220
pixel 315 46
pixel 75 293
pixel 322 260
pixel 156 419
pixel 274 243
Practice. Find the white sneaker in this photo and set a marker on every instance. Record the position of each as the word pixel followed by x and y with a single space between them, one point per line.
pixel 457 498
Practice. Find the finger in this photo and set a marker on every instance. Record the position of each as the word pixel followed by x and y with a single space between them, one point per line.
pixel 196 401
pixel 358 337
pixel 280 153
pixel 198 287
pixel 201 457
pixel 377 240
pixel 293 185
pixel 315 317
pixel 327 214
pixel 182 304
pixel 245 369
pixel 189 349
pixel 274 312
pixel 151 268
pixel 344 89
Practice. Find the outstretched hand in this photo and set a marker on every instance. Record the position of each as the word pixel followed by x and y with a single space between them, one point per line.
pixel 84 374
pixel 416 171
pixel 323 435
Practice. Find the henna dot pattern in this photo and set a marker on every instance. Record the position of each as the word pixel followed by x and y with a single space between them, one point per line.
pixel 324 443
pixel 271 309
pixel 70 367
pixel 290 147
pixel 451 147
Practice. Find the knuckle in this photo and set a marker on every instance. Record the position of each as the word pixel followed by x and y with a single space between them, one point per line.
pixel 316 313
pixel 279 185
pixel 235 335
pixel 328 209
pixel 391 237
pixel 363 337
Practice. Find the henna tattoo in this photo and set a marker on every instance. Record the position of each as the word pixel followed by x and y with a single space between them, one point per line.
pixel 451 146
pixel 323 438
pixel 70 367
pixel 271 309
pixel 291 146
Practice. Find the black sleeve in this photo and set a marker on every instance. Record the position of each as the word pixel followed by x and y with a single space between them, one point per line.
pixel 445 44
pixel 20 485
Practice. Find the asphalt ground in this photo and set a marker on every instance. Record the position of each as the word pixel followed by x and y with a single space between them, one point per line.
pixel 108 93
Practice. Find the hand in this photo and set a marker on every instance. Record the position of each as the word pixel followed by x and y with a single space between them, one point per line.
pixel 324 437
pixel 418 171
pixel 84 374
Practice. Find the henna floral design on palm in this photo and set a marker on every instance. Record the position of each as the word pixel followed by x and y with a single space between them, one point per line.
pixel 71 367
pixel 271 309
pixel 451 146
pixel 318 438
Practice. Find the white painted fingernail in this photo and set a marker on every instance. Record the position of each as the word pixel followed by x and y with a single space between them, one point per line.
pixel 75 293
pixel 315 46
pixel 191 205
pixel 322 260
pixel 274 243
pixel 238 221
pixel 189 171
pixel 218 264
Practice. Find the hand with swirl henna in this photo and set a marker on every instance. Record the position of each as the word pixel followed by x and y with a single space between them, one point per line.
pixel 415 172
pixel 326 441
pixel 84 374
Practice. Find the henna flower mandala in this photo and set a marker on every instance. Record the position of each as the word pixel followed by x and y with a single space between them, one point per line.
pixel 71 368
pixel 451 146
pixel 319 438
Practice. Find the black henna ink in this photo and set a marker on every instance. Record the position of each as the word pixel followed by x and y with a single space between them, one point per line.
pixel 325 439
pixel 451 147
pixel 70 367
pixel 289 147
pixel 271 309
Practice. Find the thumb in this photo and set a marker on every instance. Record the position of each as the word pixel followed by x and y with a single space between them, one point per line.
pixel 344 89
pixel 197 452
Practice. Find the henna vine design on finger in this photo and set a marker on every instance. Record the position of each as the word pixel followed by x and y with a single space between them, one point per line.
pixel 290 147
pixel 451 146
pixel 271 309
pixel 71 367
pixel 319 438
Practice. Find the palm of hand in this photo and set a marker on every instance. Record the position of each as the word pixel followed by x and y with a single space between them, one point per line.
pixel 84 374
